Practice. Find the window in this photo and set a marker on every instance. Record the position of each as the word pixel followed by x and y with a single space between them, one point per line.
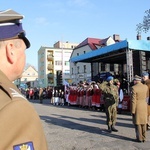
pixel 66 63
pixel 102 67
pixel 111 67
pixel 84 52
pixel 72 70
pixel 58 63
pixel 67 72
pixel 84 68
pixel 77 54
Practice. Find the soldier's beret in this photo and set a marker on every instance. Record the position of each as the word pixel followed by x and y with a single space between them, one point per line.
pixel 109 78
pixel 11 26
pixel 145 74
pixel 137 78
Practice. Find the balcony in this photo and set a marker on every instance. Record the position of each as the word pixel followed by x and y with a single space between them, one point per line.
pixel 50 67
pixel 50 57
pixel 50 75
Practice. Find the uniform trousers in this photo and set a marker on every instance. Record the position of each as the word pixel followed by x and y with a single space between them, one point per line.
pixel 140 131
pixel 111 114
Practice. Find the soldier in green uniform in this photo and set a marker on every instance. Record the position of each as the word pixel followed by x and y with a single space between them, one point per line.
pixel 110 96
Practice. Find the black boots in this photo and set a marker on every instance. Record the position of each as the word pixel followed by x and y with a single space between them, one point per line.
pixel 113 129
pixel 109 129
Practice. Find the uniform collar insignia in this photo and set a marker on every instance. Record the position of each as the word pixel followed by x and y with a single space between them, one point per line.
pixel 14 93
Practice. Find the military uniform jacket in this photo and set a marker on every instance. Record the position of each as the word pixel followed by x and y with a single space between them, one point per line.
pixel 110 94
pixel 139 93
pixel 20 126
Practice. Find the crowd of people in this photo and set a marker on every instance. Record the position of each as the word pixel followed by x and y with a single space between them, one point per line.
pixel 106 96
pixel 85 95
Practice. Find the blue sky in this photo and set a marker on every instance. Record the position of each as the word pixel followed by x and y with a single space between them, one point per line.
pixel 49 21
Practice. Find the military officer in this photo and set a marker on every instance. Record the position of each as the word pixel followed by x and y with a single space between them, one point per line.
pixel 146 80
pixel 20 125
pixel 139 94
pixel 110 96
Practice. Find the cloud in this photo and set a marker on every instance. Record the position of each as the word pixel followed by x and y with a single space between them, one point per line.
pixel 41 21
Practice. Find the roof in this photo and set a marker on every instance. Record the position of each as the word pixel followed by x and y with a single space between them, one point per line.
pixel 92 42
pixel 117 52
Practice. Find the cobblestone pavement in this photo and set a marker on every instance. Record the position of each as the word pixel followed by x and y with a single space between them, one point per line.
pixel 73 128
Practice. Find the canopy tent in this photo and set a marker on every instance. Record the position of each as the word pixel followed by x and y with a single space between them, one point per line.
pixel 115 53
pixel 134 53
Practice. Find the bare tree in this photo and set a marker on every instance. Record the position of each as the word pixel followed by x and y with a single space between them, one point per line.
pixel 28 65
pixel 145 25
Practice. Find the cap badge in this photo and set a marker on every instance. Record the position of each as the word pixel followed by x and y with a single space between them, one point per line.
pixel 24 146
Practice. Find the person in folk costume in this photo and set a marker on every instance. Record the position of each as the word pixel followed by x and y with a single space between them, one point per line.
pixel 70 95
pixel 62 98
pixel 81 96
pixel 59 96
pixel 53 91
pixel 121 95
pixel 87 95
pixel 84 95
pixel 75 95
pixel 67 93
pixel 56 97
pixel 90 96
pixel 97 95
pixel 139 94
pixel 93 95
pixel 110 96
pixel 78 95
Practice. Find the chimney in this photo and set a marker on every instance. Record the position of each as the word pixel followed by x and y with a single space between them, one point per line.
pixel 148 38
pixel 116 37
pixel 138 37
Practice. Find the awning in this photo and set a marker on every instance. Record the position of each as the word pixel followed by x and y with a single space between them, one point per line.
pixel 114 53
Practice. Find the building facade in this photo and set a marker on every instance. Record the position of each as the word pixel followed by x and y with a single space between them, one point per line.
pixel 83 71
pixel 53 61
pixel 29 78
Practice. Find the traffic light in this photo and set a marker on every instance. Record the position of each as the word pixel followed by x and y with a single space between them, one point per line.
pixel 59 78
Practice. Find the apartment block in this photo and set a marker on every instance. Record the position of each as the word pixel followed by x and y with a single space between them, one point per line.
pixel 52 60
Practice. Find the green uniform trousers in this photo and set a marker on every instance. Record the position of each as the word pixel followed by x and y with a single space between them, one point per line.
pixel 111 114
